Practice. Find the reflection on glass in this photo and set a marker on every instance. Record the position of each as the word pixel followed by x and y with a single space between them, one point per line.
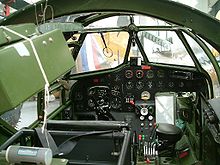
pixel 165 47
pixel 214 51
pixel 99 52
pixel 165 108
pixel 205 63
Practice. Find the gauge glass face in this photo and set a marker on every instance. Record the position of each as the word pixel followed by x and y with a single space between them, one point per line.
pixel 78 96
pixel 145 95
pixel 116 103
pixel 144 111
pixel 139 74
pixel 140 85
pixel 150 74
pixel 117 78
pixel 129 85
pixel 160 73
pixel 128 74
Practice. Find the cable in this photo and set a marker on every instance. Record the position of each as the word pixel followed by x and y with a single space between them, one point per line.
pixel 46 87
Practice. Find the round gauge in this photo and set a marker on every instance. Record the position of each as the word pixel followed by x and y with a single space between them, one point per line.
pixel 160 84
pixel 145 95
pixel 139 74
pixel 150 118
pixel 150 74
pixel 150 84
pixel 128 74
pixel 129 85
pixel 171 84
pixel 78 96
pixel 116 103
pixel 117 78
pixel 160 73
pixel 140 85
pixel 144 111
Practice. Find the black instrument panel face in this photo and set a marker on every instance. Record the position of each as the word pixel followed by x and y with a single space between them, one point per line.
pixel 119 90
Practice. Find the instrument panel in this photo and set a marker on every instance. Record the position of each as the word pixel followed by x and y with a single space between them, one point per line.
pixel 120 90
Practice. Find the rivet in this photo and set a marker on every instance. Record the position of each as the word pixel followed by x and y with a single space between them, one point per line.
pixel 44 43
pixel 50 39
pixel 8 38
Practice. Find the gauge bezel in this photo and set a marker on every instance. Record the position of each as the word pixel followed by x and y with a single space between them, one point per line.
pixel 129 76
pixel 139 76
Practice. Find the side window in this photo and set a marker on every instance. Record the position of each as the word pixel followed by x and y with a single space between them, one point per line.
pixel 101 51
pixel 165 47
pixel 205 63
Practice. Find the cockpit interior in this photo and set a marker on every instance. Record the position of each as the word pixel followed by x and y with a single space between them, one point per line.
pixel 131 88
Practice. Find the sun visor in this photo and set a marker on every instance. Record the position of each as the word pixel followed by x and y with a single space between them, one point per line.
pixel 20 74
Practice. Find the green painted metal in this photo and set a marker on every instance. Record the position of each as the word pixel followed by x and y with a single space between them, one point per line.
pixel 24 29
pixel 20 76
pixel 179 14
pixel 6 131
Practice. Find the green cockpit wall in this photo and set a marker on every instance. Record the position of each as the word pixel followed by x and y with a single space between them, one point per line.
pixel 201 24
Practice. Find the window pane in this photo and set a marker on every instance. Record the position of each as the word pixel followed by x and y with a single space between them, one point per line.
pixel 165 47
pixel 205 63
pixel 99 53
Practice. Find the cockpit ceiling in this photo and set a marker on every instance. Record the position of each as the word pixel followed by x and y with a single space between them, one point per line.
pixel 178 14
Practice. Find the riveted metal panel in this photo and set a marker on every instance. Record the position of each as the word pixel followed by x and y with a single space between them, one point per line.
pixel 20 75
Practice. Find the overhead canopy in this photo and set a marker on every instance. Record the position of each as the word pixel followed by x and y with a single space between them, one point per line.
pixel 177 13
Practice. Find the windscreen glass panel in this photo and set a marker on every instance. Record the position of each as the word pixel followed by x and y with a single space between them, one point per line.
pixel 215 53
pixel 164 47
pixel 205 63
pixel 102 51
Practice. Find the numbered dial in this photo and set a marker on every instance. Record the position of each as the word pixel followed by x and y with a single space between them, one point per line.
pixel 139 74
pixel 145 95
pixel 129 85
pixel 150 74
pixel 160 74
pixel 140 85
pixel 129 74
pixel 116 103
pixel 144 111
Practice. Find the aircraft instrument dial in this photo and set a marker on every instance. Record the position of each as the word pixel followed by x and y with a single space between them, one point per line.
pixel 140 85
pixel 128 74
pixel 160 74
pixel 129 85
pixel 145 95
pixel 150 74
pixel 139 74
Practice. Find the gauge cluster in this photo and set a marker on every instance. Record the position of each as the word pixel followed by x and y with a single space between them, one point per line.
pixel 121 89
